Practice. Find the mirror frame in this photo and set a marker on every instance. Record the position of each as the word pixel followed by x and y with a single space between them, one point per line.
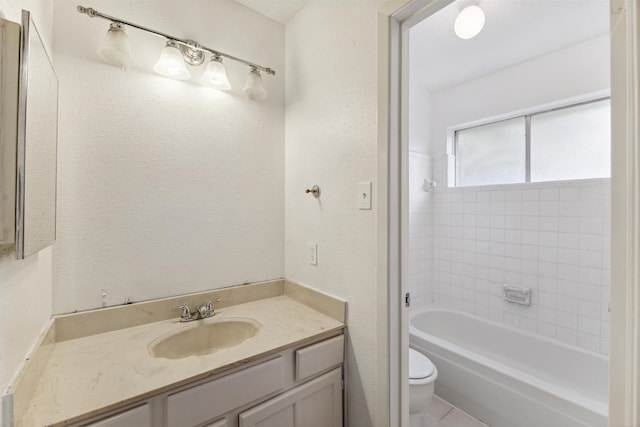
pixel 27 28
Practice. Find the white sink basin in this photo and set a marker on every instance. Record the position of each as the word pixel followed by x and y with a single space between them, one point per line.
pixel 204 337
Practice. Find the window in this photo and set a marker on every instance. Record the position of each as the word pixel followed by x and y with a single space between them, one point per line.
pixel 567 143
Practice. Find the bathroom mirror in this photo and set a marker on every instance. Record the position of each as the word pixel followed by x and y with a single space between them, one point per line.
pixel 9 72
pixel 37 144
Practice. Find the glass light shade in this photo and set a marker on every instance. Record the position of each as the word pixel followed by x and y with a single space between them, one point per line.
pixel 116 48
pixel 215 75
pixel 469 22
pixel 253 87
pixel 171 63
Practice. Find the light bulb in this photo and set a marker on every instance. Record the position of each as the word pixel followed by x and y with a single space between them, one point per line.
pixel 215 75
pixel 254 88
pixel 116 48
pixel 469 22
pixel 171 63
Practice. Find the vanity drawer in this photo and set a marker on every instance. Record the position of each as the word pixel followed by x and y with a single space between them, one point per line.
pixel 219 423
pixel 137 417
pixel 319 357
pixel 204 402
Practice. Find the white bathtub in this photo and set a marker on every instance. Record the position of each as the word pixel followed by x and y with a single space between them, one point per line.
pixel 506 377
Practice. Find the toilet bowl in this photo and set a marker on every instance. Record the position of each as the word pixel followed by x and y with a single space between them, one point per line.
pixel 422 377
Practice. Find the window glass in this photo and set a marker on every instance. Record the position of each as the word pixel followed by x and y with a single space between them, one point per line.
pixel 571 143
pixel 491 154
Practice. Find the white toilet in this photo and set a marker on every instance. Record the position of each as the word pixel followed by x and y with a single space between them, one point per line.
pixel 422 378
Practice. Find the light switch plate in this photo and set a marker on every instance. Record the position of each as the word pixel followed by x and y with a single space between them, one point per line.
pixel 364 195
pixel 313 253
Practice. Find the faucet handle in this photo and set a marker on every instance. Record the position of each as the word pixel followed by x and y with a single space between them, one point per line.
pixel 186 313
pixel 210 306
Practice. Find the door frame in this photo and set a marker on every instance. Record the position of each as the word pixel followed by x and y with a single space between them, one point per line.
pixel 624 359
pixel 394 19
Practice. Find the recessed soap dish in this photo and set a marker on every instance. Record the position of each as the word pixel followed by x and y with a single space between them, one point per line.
pixel 516 294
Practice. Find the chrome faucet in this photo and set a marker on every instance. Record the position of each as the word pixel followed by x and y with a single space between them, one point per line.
pixel 201 312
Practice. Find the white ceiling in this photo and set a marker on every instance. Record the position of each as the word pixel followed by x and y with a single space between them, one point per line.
pixel 278 10
pixel 515 31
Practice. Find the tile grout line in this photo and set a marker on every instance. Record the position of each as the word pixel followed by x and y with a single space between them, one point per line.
pixel 451 408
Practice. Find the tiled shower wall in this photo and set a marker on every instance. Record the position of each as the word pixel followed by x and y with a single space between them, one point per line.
pixel 551 237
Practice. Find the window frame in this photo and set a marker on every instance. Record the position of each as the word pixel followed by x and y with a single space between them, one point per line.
pixel 527 115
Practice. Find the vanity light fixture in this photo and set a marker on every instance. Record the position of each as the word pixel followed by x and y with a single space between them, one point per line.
pixel 215 75
pixel 469 22
pixel 116 47
pixel 175 56
pixel 253 87
pixel 171 63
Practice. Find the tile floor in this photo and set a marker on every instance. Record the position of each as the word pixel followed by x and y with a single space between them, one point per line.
pixel 442 414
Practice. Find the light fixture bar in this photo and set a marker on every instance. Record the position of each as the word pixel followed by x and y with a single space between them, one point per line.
pixel 188 43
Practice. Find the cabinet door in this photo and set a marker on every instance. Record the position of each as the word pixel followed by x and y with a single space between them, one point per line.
pixel 317 403
pixel 136 417
pixel 208 401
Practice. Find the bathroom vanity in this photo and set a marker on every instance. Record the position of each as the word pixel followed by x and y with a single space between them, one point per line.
pixel 272 355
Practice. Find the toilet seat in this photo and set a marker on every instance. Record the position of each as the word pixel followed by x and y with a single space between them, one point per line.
pixel 420 367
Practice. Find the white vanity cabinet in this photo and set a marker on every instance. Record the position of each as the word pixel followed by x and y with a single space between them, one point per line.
pixel 317 403
pixel 195 405
pixel 140 416
pixel 300 386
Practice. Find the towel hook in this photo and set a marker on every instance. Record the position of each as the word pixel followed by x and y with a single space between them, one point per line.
pixel 315 190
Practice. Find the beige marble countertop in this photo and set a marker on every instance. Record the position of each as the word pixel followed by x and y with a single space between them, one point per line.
pixel 91 374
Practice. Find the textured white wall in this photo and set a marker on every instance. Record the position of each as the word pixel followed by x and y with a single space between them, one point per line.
pixel 166 187
pixel 331 138
pixel 25 286
pixel 573 71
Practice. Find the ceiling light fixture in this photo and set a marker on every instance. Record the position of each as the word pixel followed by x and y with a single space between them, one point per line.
pixel 469 22
pixel 175 56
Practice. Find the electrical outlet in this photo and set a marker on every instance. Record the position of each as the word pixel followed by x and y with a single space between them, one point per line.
pixel 313 253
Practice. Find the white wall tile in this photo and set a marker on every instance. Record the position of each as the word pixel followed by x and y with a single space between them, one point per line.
pixel 549 208
pixel 548 330
pixel 568 272
pixel 568 288
pixel 546 299
pixel 530 207
pixel 567 320
pixel 550 194
pixel 549 223
pixel 588 341
pixel 537 237
pixel 569 193
pixel 568 208
pixel 548 239
pixel 549 254
pixel 589 309
pixel 589 325
pixel 568 336
pixel 530 222
pixel 568 224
